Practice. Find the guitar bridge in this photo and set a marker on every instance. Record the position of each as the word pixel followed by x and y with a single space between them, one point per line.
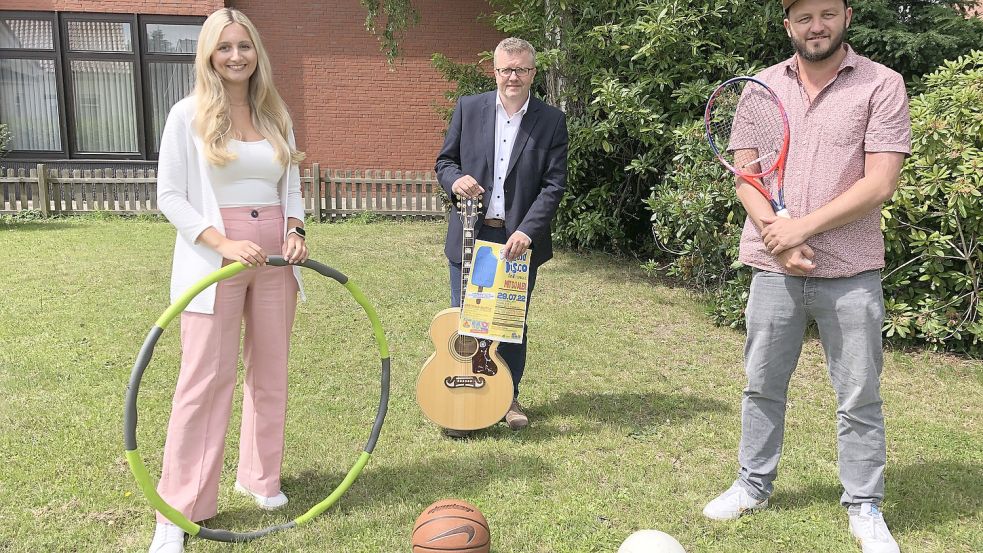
pixel 464 382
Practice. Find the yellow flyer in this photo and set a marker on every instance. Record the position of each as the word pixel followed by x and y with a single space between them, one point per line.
pixel 495 298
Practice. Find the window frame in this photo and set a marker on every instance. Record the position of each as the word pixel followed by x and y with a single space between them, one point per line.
pixel 69 89
pixel 40 54
pixel 63 57
pixel 148 57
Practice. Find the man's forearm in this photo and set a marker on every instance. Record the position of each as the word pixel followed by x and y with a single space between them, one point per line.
pixel 882 172
pixel 756 205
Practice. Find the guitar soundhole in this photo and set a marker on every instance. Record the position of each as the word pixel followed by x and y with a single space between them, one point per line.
pixel 464 347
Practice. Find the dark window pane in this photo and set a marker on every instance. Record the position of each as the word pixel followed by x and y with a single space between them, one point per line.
pixel 105 110
pixel 172 39
pixel 29 103
pixel 99 36
pixel 169 82
pixel 31 34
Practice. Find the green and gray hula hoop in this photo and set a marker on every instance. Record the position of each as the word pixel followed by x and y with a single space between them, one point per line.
pixel 144 480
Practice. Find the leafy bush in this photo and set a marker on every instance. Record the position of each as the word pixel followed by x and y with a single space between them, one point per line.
pixel 632 76
pixel 631 71
pixel 914 37
pixel 696 217
pixel 696 225
pixel 933 226
pixel 25 216
pixel 627 72
pixel 471 78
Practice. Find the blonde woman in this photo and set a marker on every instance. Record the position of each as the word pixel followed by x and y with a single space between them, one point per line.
pixel 228 180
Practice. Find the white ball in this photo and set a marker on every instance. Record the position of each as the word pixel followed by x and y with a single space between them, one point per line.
pixel 651 541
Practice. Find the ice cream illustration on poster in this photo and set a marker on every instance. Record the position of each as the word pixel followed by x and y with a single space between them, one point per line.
pixel 495 299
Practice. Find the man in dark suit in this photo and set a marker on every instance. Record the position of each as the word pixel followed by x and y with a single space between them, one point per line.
pixel 510 149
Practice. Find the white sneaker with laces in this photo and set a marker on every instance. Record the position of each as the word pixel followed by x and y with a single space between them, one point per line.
pixel 732 504
pixel 265 503
pixel 168 538
pixel 868 526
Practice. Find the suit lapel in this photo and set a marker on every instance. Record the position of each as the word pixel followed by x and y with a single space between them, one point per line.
pixel 488 136
pixel 529 121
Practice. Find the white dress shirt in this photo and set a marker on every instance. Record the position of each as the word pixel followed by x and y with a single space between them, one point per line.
pixel 506 129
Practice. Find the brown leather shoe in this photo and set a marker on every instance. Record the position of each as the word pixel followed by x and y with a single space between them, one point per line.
pixel 456 434
pixel 515 418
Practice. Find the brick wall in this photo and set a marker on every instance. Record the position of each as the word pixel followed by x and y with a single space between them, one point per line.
pixel 349 109
pixel 157 7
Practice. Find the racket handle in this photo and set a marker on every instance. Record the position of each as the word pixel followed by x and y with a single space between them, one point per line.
pixel 783 213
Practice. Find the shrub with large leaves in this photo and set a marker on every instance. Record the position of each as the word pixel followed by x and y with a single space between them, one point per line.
pixel 696 225
pixel 934 225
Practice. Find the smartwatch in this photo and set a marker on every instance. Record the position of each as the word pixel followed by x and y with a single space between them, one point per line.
pixel 299 231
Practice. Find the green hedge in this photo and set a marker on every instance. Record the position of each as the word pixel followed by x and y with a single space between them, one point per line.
pixel 933 226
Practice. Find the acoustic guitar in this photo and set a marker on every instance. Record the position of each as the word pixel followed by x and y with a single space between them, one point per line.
pixel 465 384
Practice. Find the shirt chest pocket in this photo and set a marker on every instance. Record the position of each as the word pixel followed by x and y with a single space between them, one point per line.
pixel 846 125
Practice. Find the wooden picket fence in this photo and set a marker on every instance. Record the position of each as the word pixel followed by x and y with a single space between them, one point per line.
pixel 341 193
pixel 328 194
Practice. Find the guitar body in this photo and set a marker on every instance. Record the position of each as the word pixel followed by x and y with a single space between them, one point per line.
pixel 465 384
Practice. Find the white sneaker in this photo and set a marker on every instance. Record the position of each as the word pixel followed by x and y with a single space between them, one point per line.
pixel 732 504
pixel 868 526
pixel 168 538
pixel 265 503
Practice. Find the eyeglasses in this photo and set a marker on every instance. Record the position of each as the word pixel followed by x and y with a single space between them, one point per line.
pixel 520 71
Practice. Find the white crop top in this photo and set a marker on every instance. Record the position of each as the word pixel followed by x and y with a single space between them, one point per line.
pixel 249 180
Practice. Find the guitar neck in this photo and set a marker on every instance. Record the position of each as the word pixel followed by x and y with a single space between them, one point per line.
pixel 467 254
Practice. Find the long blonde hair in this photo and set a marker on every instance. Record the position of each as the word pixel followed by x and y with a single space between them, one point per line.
pixel 212 121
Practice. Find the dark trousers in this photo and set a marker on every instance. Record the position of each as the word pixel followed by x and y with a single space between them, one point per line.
pixel 513 354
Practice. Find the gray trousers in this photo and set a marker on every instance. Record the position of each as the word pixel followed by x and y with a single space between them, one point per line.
pixel 849 313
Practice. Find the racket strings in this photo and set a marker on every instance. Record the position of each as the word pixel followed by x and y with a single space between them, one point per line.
pixel 747 128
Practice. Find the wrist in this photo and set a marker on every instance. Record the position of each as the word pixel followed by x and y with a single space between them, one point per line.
pixel 213 238
pixel 809 226
pixel 220 243
pixel 297 231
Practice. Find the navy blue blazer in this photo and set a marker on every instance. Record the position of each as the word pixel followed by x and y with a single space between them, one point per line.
pixel 537 172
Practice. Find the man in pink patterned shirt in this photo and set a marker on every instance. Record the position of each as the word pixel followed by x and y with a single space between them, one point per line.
pixel 850 132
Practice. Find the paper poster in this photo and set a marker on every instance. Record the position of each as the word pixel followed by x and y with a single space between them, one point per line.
pixel 495 298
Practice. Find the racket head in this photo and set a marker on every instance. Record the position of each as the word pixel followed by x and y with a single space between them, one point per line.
pixel 747 128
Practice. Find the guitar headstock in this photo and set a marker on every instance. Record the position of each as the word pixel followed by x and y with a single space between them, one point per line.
pixel 469 209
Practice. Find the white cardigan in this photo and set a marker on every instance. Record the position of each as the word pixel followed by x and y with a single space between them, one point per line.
pixel 186 197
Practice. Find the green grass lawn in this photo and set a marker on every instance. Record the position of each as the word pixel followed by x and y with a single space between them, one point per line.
pixel 633 394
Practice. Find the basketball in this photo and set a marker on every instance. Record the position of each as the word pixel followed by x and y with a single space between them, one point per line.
pixel 451 526
pixel 651 541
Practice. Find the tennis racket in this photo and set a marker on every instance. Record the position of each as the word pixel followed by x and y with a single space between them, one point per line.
pixel 748 131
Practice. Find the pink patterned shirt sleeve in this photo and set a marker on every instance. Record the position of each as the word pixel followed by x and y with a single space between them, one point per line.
pixel 863 110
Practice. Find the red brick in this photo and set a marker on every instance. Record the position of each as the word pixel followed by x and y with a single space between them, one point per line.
pixel 349 108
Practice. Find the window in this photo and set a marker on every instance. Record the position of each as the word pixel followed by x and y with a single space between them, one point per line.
pixel 169 57
pixel 92 86
pixel 29 83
